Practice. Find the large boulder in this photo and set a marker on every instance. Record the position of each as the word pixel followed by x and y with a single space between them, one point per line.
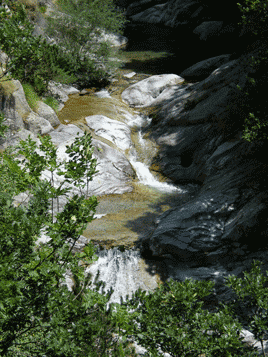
pixel 204 68
pixel 60 92
pixel 140 6
pixel 143 93
pixel 174 13
pixel 115 171
pixel 14 104
pixel 153 15
pixel 17 111
pixel 37 124
pixel 184 12
pixel 113 130
pixel 208 29
pixel 46 112
pixel 209 100
pixel 171 13
pixel 13 138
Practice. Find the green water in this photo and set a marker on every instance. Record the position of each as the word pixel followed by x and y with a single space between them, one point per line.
pixel 129 217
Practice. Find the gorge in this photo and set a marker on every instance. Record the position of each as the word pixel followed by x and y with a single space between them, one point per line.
pixel 180 193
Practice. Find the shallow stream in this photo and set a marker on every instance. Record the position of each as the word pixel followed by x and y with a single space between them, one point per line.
pixel 125 220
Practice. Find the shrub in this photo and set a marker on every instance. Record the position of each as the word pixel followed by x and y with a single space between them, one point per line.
pixel 255 19
pixel 77 30
pixel 30 95
pixel 30 59
pixel 171 318
pixel 53 103
pixel 38 314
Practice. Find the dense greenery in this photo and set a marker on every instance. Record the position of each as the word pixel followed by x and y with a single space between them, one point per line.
pixel 77 25
pixel 30 59
pixel 80 58
pixel 255 20
pixel 38 315
pixel 171 318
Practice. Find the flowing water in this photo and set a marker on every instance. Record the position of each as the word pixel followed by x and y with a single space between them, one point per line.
pixel 125 220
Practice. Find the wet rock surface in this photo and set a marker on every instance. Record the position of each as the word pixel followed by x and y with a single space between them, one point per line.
pixel 116 132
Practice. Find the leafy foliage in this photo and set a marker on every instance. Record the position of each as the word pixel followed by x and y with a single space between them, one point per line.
pixel 30 95
pixel 172 319
pixel 77 26
pixel 30 59
pixel 38 314
pixel 255 19
pixel 53 103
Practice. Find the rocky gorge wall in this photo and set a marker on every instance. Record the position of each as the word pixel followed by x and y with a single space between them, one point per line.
pixel 200 29
pixel 196 126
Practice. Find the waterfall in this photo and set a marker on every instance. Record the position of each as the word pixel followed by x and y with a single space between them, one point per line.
pixel 122 270
pixel 119 271
pixel 147 178
pixel 142 169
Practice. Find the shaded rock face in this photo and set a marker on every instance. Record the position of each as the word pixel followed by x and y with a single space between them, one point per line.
pixel 174 13
pixel 198 130
pixel 204 68
pixel 211 28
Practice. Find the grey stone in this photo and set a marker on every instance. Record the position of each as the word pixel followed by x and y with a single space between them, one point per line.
pixel 113 130
pixel 209 237
pixel 144 92
pixel 171 13
pixel 204 68
pixel 37 124
pixel 46 112
pixel 208 29
pixel 139 6
pixel 114 169
pixel 61 91
pixel 17 111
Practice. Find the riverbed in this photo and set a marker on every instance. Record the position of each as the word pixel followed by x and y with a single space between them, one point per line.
pixel 124 221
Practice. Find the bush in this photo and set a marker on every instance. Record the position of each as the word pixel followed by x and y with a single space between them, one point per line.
pixel 30 59
pixel 30 95
pixel 171 318
pixel 77 30
pixel 38 314
pixel 255 20
pixel 53 103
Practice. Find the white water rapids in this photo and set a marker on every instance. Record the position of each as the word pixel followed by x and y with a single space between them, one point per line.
pixel 121 270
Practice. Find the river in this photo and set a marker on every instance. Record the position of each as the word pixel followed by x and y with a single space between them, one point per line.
pixel 125 220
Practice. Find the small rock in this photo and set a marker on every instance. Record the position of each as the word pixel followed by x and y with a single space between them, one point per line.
pixel 130 75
